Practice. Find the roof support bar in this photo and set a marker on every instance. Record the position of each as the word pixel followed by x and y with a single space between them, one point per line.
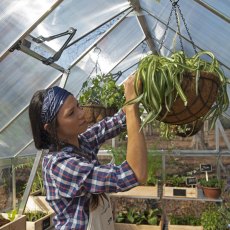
pixel 213 10
pixel 142 21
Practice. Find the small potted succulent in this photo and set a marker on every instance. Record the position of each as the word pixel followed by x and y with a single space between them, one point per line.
pixel 100 96
pixel 211 187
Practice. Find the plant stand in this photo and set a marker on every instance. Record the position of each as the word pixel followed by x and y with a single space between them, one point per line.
pixel 18 224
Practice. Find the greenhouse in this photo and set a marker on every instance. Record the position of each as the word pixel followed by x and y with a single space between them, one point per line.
pixel 147 84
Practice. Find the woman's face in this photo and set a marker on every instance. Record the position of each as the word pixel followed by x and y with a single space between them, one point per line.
pixel 71 121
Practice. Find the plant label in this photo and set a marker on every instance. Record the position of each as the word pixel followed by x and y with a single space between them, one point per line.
pixel 179 192
pixel 205 168
pixel 46 223
pixel 191 181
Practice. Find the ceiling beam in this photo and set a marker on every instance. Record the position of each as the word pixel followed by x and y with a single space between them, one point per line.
pixel 136 6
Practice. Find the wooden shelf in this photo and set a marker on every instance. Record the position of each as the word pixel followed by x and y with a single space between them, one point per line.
pixel 200 197
pixel 146 192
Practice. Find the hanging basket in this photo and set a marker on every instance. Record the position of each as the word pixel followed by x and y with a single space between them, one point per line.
pixel 95 113
pixel 198 104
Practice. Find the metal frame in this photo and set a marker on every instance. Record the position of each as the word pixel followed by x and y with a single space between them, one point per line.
pixel 213 10
pixel 142 21
pixel 24 34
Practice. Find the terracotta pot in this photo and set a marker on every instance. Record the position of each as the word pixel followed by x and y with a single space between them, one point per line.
pixel 198 104
pixel 213 193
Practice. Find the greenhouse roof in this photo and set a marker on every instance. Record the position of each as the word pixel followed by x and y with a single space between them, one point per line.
pixel 88 37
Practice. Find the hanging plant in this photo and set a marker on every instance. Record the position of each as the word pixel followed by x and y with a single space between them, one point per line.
pixel 101 96
pixel 179 90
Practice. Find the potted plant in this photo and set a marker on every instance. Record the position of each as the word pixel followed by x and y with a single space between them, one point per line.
pixel 185 222
pixel 100 96
pixel 39 215
pixel 39 220
pixel 212 219
pixel 11 220
pixel 211 187
pixel 179 90
pixel 176 186
pixel 133 218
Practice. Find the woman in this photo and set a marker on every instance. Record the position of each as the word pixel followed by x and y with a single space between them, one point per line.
pixel 75 183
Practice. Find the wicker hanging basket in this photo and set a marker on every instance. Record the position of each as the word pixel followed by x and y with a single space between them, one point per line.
pixel 198 105
pixel 95 113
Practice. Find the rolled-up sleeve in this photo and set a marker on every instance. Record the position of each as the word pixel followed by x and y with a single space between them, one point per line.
pixel 75 177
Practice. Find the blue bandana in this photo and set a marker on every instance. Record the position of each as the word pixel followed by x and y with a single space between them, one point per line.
pixel 53 101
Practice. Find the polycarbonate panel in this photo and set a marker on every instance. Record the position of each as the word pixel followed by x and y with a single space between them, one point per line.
pixel 83 15
pixel 130 63
pixel 108 53
pixel 20 76
pixel 16 136
pixel 211 33
pixel 17 16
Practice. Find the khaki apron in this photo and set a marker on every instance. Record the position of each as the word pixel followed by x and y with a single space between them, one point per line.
pixel 101 218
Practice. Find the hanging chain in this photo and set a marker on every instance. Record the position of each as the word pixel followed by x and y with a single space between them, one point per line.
pixel 167 26
pixel 176 6
pixel 186 27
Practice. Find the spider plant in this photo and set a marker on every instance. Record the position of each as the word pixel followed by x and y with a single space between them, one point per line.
pixel 161 79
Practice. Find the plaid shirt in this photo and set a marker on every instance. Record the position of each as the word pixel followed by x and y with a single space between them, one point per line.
pixel 73 174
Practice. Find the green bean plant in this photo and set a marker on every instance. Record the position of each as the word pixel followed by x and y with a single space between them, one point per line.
pixel 161 79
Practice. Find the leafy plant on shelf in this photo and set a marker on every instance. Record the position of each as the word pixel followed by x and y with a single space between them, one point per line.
pixel 162 79
pixel 176 181
pixel 185 220
pixel 212 182
pixel 102 90
pixel 12 214
pixel 34 215
pixel 135 216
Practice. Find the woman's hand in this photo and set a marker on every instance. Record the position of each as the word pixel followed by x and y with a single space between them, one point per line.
pixel 129 88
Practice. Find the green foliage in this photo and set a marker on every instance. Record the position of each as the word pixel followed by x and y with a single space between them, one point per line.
pixel 212 219
pixel 37 182
pixel 161 78
pixel 35 215
pixel 135 216
pixel 176 181
pixel 102 90
pixel 212 182
pixel 185 220
pixel 154 162
pixel 12 214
